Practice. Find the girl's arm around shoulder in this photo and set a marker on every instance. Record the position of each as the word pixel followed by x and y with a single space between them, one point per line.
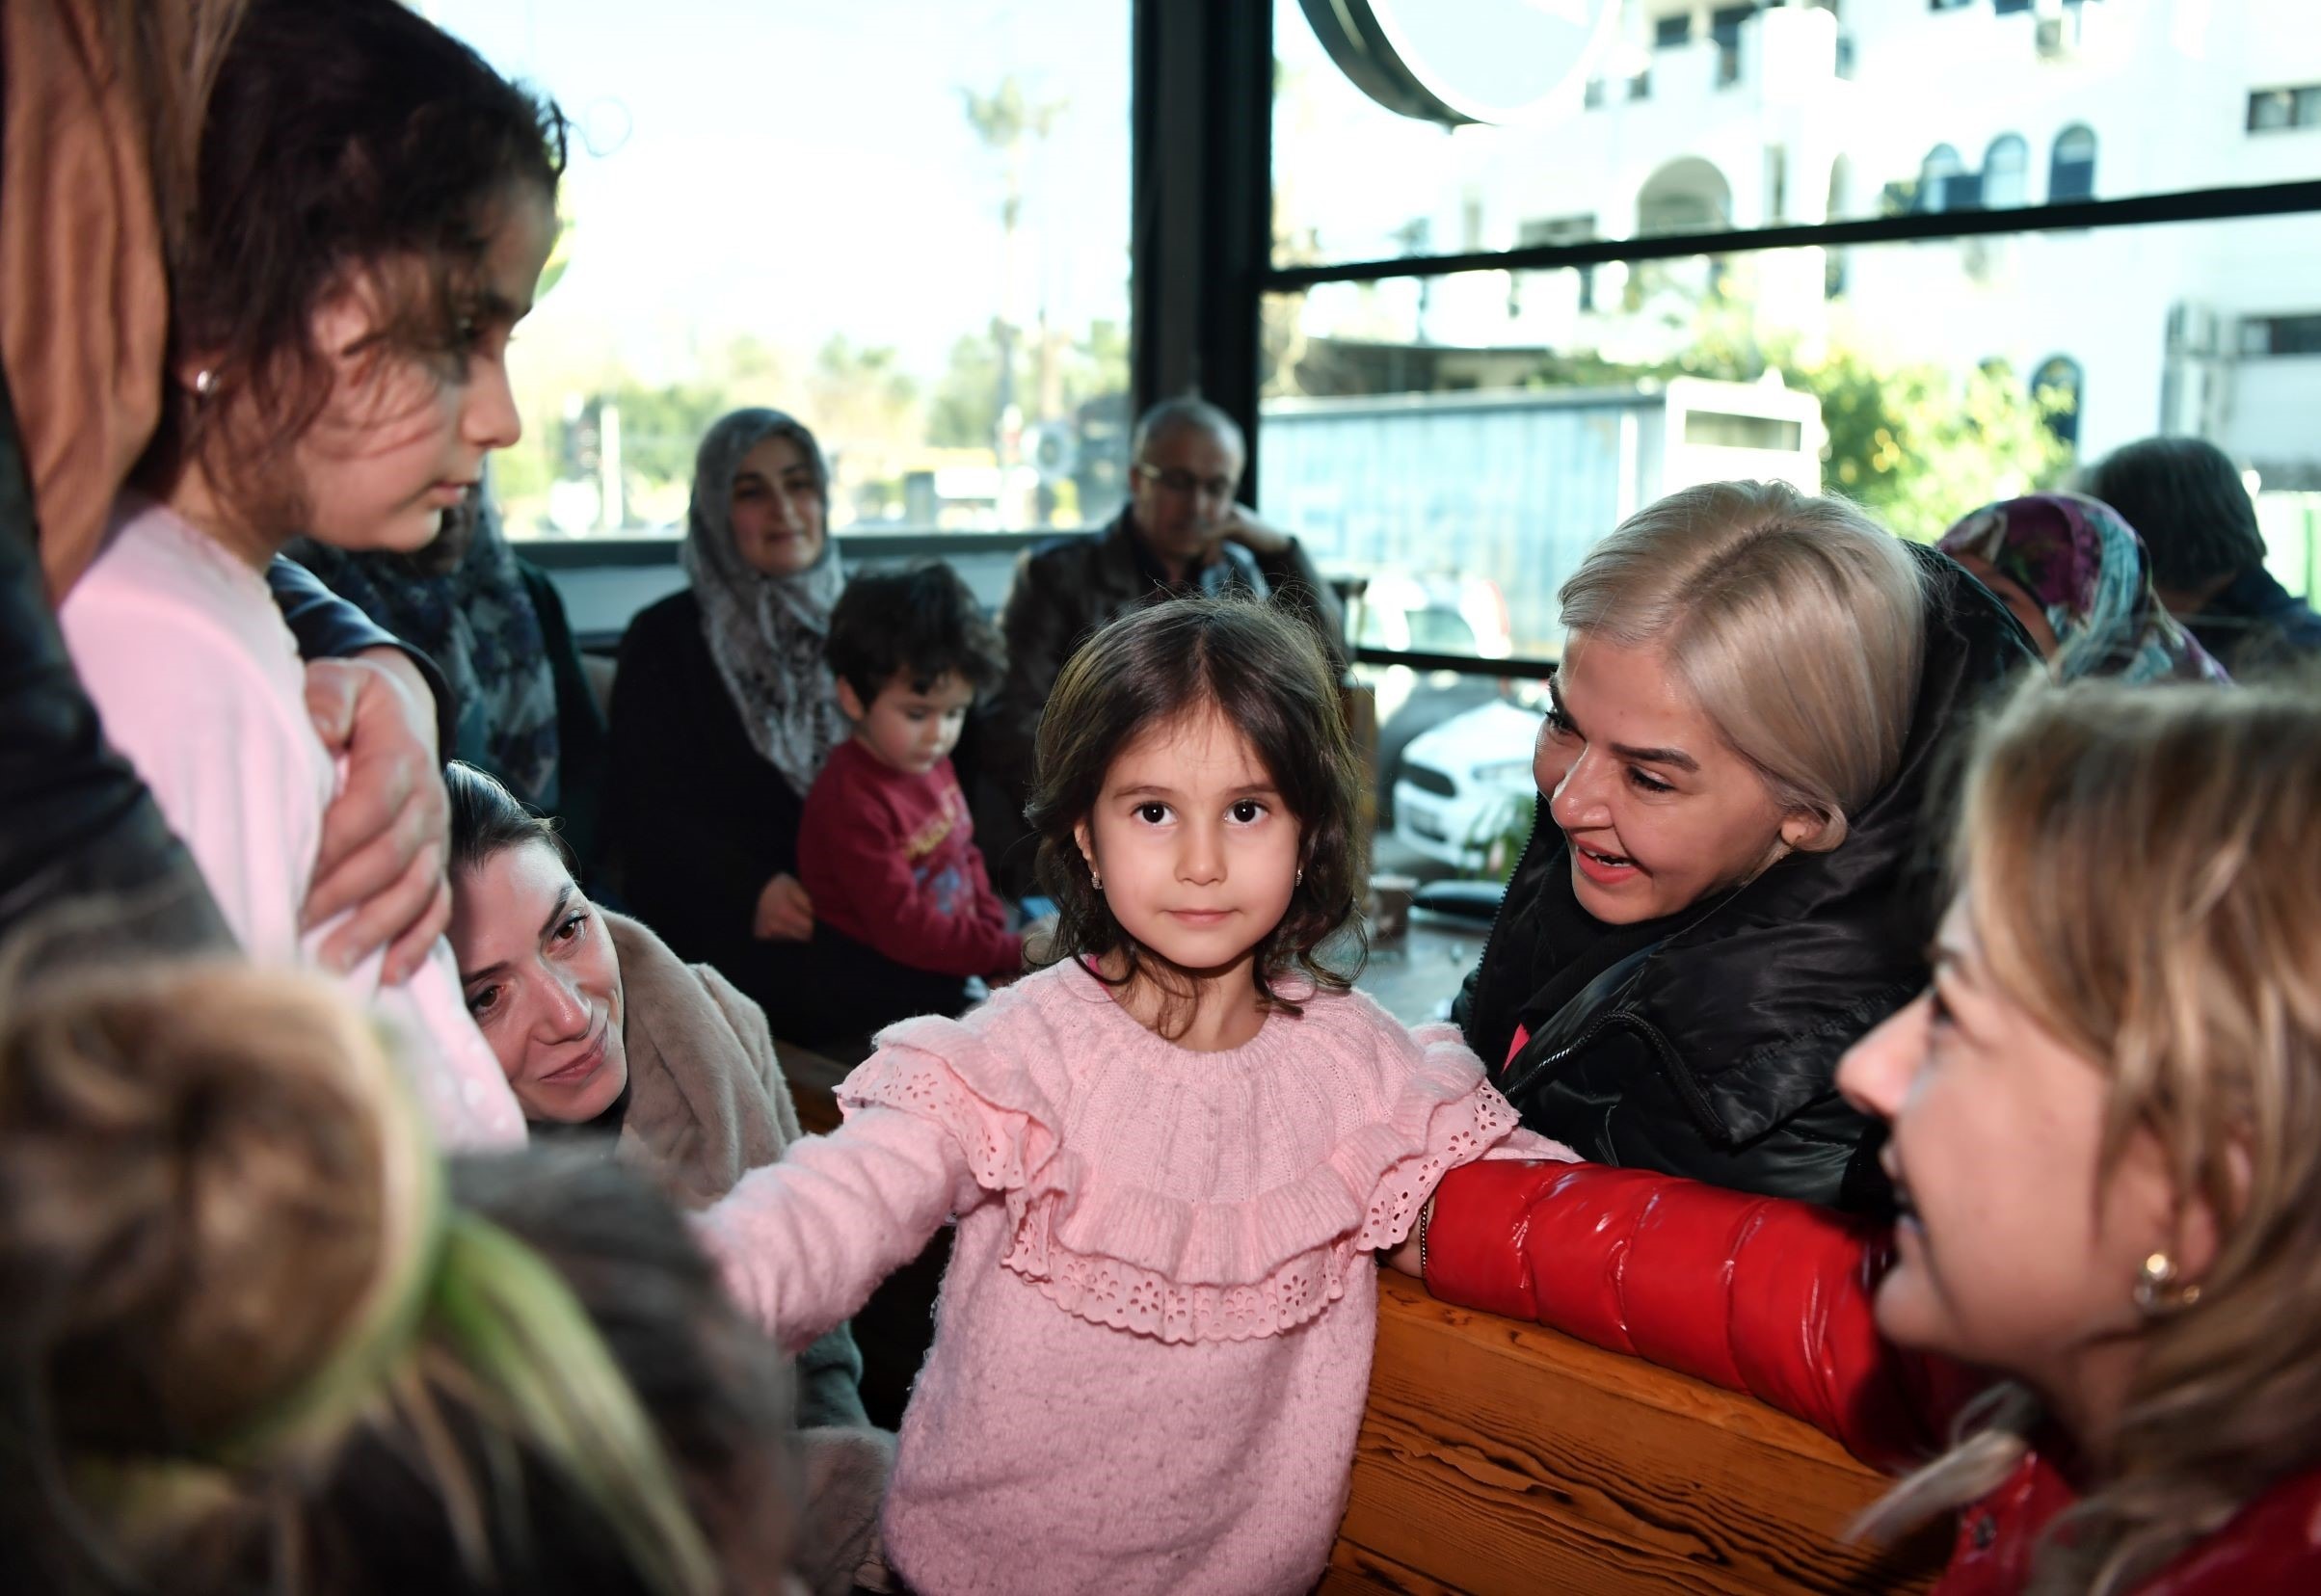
pixel 1758 1294
pixel 803 1242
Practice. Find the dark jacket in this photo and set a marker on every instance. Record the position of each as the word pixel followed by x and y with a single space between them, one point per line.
pixel 1706 1044
pixel 698 822
pixel 2256 624
pixel 1774 1298
pixel 1064 590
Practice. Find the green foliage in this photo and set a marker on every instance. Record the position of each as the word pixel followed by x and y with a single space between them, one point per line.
pixel 1919 446
pixel 964 411
pixel 1915 444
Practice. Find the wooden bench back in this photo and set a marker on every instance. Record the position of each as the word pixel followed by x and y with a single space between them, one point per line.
pixel 1503 1457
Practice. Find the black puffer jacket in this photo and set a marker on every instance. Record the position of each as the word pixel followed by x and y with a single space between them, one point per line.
pixel 1705 1044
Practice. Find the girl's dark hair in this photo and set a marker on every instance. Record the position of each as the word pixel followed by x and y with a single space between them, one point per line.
pixel 340 135
pixel 924 621
pixel 1264 672
pixel 487 820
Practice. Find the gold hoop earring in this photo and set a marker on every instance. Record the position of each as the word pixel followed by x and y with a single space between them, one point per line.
pixel 2157 1293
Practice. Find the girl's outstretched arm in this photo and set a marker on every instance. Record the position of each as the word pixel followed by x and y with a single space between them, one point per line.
pixel 803 1242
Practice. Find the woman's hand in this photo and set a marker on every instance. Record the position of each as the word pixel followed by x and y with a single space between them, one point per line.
pixel 385 836
pixel 785 913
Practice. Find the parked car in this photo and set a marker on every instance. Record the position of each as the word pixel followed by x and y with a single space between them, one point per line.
pixel 1432 614
pixel 1463 785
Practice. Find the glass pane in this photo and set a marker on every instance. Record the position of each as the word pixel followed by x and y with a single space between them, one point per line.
pixel 1750 116
pixel 903 221
pixel 1470 437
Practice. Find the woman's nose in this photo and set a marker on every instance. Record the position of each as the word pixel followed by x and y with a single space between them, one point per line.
pixel 565 1010
pixel 1876 1073
pixel 1579 801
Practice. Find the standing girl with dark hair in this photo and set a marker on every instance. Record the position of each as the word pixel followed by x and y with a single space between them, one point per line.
pixel 1171 1153
pixel 373 207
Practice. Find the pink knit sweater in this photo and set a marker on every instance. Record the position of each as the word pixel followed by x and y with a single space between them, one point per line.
pixel 1154 1339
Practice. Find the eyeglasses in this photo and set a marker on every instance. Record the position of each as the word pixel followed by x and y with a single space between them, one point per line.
pixel 1178 481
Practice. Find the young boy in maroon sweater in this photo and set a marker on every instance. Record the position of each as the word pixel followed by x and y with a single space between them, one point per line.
pixel 885 849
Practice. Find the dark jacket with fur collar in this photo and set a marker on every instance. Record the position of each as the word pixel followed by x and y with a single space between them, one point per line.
pixel 1706 1044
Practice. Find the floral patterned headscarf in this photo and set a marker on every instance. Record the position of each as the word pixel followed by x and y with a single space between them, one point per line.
pixel 765 632
pixel 2088 570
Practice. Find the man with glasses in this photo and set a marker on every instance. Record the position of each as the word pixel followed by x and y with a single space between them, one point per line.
pixel 1180 533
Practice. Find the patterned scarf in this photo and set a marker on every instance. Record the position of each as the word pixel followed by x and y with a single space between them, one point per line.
pixel 477 623
pixel 2085 567
pixel 765 632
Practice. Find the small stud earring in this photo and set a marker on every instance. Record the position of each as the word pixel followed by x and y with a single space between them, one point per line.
pixel 206 383
pixel 2157 1293
pixel 1093 880
pixel 1300 881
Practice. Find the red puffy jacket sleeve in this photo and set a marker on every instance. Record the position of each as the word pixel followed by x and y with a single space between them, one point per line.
pixel 1758 1294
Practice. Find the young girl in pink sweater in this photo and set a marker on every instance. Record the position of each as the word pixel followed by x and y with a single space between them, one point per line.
pixel 1171 1154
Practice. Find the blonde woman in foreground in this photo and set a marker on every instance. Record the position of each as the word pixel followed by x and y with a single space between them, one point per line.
pixel 257 1340
pixel 2105 1286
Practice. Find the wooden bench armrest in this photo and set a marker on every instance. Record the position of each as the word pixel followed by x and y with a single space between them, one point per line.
pixel 1501 1456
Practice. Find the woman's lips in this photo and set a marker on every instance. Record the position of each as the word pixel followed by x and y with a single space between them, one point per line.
pixel 586 1065
pixel 1605 870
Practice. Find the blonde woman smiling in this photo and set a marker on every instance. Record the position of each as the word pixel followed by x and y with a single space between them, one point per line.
pixel 1755 687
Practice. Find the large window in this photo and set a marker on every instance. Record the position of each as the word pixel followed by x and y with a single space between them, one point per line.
pixel 905 222
pixel 1456 418
pixel 1455 427
pixel 2168 88
pixel 1804 243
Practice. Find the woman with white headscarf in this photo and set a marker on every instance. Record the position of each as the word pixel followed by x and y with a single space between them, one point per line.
pixel 722 714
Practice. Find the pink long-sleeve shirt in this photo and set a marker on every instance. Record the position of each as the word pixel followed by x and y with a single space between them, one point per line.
pixel 1154 1339
pixel 200 685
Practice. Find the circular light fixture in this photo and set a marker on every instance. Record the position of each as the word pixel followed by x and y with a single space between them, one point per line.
pixel 1460 60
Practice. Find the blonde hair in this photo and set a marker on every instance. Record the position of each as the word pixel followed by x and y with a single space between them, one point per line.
pixel 2143 869
pixel 235 1286
pixel 1796 623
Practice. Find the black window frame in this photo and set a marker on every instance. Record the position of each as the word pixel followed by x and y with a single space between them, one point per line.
pixel 1223 126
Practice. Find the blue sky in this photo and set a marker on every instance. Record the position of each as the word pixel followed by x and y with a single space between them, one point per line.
pixel 793 170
